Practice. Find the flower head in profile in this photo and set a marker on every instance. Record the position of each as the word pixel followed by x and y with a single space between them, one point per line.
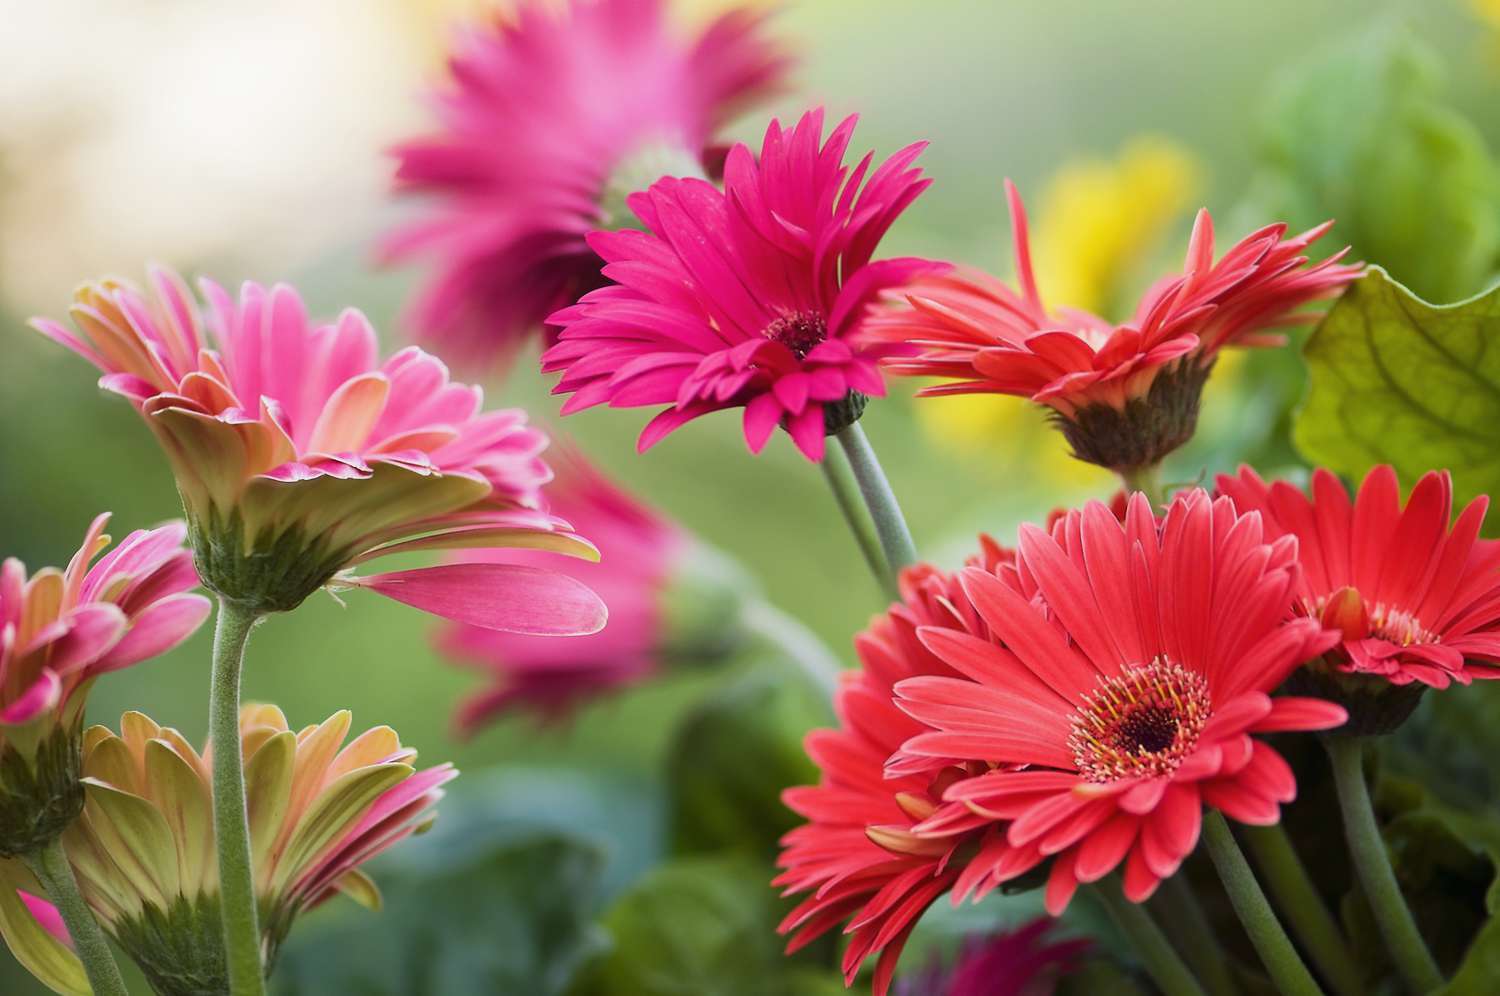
pixel 645 558
pixel 1020 962
pixel 550 116
pixel 1124 395
pixel 1118 691
pixel 752 298
pixel 143 852
pixel 856 858
pixel 1425 617
pixel 299 455
pixel 61 629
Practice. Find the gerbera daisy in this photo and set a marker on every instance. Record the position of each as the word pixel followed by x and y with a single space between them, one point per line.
pixel 857 855
pixel 59 630
pixel 1124 395
pixel 1125 691
pixel 144 856
pixel 751 298
pixel 551 115
pixel 1429 616
pixel 298 456
pixel 1019 962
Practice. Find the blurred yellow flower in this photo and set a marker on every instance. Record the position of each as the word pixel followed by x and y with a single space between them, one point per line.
pixel 1101 221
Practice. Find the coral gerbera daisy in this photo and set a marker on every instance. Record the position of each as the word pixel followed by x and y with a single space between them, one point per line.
pixel 298 456
pixel 1428 616
pixel 751 298
pixel 144 855
pixel 1124 395
pixel 856 855
pixel 1119 701
pixel 59 630
pixel 550 117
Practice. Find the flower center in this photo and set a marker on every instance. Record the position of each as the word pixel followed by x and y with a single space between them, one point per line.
pixel 1140 724
pixel 799 331
pixel 1346 610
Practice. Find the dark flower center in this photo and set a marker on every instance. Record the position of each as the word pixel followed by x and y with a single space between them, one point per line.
pixel 799 331
pixel 1140 724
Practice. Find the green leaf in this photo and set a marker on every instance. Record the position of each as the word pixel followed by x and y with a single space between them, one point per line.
pixel 1361 136
pixel 1397 380
pixel 730 761
pixel 1481 965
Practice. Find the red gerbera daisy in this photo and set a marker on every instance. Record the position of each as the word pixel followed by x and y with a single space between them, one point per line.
pixel 1127 686
pixel 553 114
pixel 1125 395
pixel 857 855
pixel 1429 614
pixel 750 298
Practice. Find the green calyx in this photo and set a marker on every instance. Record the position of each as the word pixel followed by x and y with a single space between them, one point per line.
pixel 637 171
pixel 1375 706
pixel 264 573
pixel 841 414
pixel 180 950
pixel 40 791
pixel 1147 428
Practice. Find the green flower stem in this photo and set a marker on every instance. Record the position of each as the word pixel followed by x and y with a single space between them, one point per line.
pixel 841 481
pixel 792 637
pixel 231 828
pixel 1148 942
pixel 1146 480
pixel 50 865
pixel 1304 909
pixel 1177 906
pixel 1373 865
pixel 890 526
pixel 1271 943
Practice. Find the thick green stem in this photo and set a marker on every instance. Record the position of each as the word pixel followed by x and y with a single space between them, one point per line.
pixel 1148 942
pixel 1146 480
pixel 1373 865
pixel 790 635
pixel 50 865
pixel 1177 907
pixel 846 494
pixel 1298 901
pixel 885 512
pixel 1271 943
pixel 231 829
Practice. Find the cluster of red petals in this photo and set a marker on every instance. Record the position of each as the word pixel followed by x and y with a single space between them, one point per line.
pixel 753 297
pixel 983 337
pixel 639 549
pixel 856 856
pixel 541 105
pixel 1415 594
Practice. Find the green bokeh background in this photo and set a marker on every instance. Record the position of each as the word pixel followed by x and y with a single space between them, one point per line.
pixel 999 88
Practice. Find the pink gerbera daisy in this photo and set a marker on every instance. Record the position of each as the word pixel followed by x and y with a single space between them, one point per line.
pixel 1119 699
pixel 857 855
pixel 751 298
pixel 298 455
pixel 1430 614
pixel 1020 962
pixel 1125 395
pixel 551 116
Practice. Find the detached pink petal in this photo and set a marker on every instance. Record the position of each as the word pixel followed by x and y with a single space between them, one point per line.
pixel 508 597
pixel 46 916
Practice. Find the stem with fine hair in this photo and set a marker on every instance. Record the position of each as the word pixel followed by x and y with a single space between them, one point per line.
pixel 885 512
pixel 231 827
pixel 791 635
pixel 50 866
pixel 1373 865
pixel 1266 934
pixel 846 493
pixel 1177 906
pixel 1162 962
pixel 1298 900
pixel 1146 480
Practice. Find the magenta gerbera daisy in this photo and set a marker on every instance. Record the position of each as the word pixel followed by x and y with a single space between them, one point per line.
pixel 753 298
pixel 1429 614
pixel 1114 704
pixel 1124 395
pixel 550 116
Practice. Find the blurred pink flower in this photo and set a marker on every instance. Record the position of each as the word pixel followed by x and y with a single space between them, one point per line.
pixel 640 549
pixel 549 116
pixel 298 456
pixel 752 298
pixel 1019 962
